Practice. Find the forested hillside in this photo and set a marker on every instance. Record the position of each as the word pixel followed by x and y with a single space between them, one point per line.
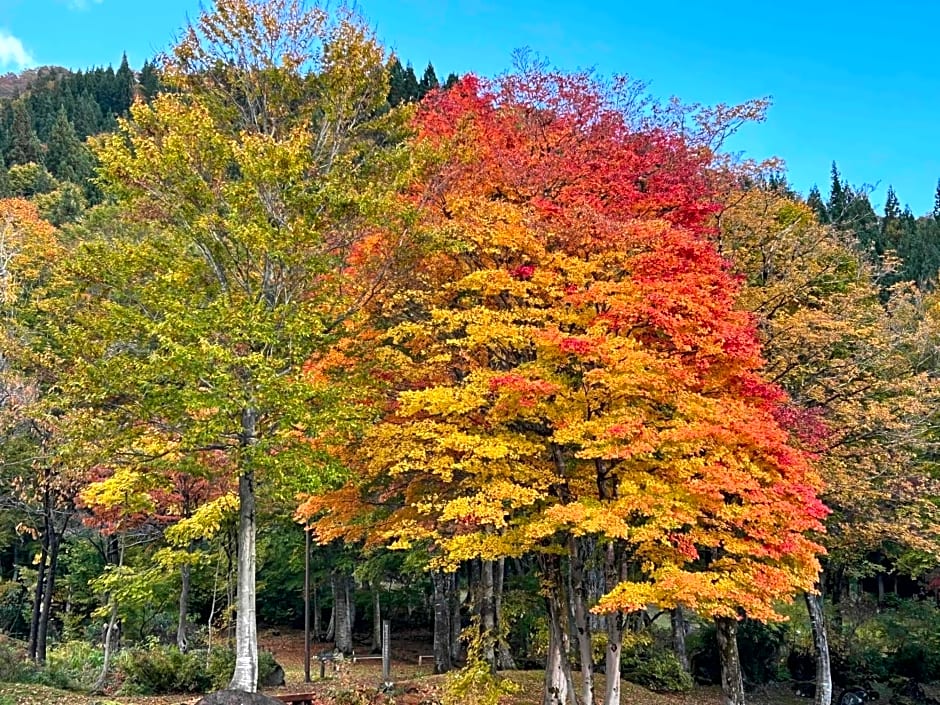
pixel 525 366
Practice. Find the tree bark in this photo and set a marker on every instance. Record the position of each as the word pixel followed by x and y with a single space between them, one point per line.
pixel 488 613
pixel 506 661
pixel 443 635
pixel 245 677
pixel 37 596
pixel 182 642
pixel 814 605
pixel 341 622
pixel 376 620
pixel 456 624
pixel 577 596
pixel 677 619
pixel 55 544
pixel 732 678
pixel 615 572
pixel 115 555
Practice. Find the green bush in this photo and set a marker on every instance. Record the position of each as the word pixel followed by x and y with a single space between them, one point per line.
pixel 13 664
pixel 652 665
pixel 222 665
pixel 157 670
pixel 72 665
pixel 763 650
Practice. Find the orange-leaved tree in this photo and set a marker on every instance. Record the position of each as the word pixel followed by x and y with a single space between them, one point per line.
pixel 569 365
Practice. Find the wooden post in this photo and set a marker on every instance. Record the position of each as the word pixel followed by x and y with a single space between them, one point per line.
pixel 307 606
pixel 387 653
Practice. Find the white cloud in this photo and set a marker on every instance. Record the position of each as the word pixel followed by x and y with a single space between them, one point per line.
pixel 12 52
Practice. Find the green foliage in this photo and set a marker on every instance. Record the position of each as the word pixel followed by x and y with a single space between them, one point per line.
pixel 476 683
pixel 645 662
pixel 158 669
pixel 763 650
pixel 72 665
pixel 13 664
pixel 30 179
pixel 221 663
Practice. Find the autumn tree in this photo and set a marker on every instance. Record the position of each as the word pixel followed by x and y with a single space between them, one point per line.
pixel 569 365
pixel 855 371
pixel 246 190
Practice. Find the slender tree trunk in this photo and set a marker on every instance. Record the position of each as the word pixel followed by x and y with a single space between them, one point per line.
pixel 376 620
pixel 317 617
pixel 456 624
pixel 443 635
pixel 115 555
pixel 181 641
pixel 55 544
pixel 577 595
pixel 559 685
pixel 245 677
pixel 677 619
pixel 331 625
pixel 341 623
pixel 615 571
pixel 505 655
pixel 814 605
pixel 488 613
pixel 732 679
pixel 37 595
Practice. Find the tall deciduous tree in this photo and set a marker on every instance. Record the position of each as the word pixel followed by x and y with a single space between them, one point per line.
pixel 255 183
pixel 568 364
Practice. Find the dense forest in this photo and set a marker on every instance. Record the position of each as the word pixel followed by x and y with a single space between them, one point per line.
pixel 525 367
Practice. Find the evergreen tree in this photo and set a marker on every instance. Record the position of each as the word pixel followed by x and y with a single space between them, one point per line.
pixel 24 146
pixel 818 206
pixel 123 91
pixel 936 202
pixel 397 88
pixel 452 78
pixel 838 198
pixel 428 82
pixel 4 180
pixel 66 157
pixel 149 82
pixel 891 230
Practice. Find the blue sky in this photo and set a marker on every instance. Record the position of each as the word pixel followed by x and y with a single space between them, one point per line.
pixel 855 82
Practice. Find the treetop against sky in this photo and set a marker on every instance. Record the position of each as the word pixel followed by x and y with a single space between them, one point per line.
pixel 845 86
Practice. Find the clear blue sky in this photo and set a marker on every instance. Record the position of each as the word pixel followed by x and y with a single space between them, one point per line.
pixel 855 82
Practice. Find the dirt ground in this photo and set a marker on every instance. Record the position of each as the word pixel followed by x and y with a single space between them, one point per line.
pixel 414 684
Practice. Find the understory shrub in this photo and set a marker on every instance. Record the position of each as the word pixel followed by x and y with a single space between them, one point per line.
pixel 653 665
pixel 222 665
pixel 71 665
pixel 13 664
pixel 159 669
pixel 763 649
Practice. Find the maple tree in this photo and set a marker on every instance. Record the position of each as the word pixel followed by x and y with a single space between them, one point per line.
pixel 569 363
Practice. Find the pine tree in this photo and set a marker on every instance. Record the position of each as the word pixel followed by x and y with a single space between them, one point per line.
pixel 66 157
pixel 452 78
pixel 124 82
pixel 149 82
pixel 24 146
pixel 818 206
pixel 891 222
pixel 428 82
pixel 936 202
pixel 838 198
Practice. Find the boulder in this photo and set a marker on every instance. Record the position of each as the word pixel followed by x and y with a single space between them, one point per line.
pixel 237 697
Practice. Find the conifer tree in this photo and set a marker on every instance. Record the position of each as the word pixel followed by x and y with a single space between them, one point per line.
pixel 149 82
pixel 24 146
pixel 66 157
pixel 817 205
pixel 124 83
pixel 428 82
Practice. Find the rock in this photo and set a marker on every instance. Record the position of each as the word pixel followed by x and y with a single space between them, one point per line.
pixel 275 678
pixel 237 697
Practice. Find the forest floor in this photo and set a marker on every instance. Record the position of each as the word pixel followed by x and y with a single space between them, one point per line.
pixel 414 684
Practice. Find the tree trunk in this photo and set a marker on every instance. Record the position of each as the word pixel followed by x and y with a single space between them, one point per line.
pixel 181 641
pixel 341 623
pixel 677 618
pixel 814 605
pixel 442 627
pixel 577 596
pixel 245 677
pixel 115 556
pixel 456 624
pixel 505 655
pixel 376 620
pixel 615 572
pixel 558 685
pixel 732 679
pixel 37 596
pixel 488 613
pixel 317 617
pixel 55 543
